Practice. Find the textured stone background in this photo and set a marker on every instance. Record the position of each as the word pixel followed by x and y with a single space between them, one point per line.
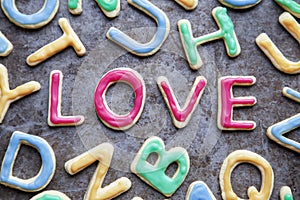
pixel 207 146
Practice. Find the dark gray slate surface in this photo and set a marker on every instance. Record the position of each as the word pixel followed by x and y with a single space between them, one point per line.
pixel 207 146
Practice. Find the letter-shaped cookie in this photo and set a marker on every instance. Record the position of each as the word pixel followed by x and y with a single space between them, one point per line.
pixel 150 48
pixel 286 193
pixel 227 102
pixel 291 6
pixel 110 119
pixel 181 116
pixel 155 174
pixel 43 178
pixel 244 156
pixel 276 131
pixel 68 39
pixel 54 111
pixel 7 96
pixel 50 195
pixel 240 4
pixel 33 21
pixel 102 153
pixel 198 190
pixel 188 4
pixel 271 50
pixel 5 45
pixel 225 32
pixel 111 8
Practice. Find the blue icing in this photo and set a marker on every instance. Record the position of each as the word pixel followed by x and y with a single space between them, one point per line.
pixel 283 127
pixel 41 16
pixel 132 45
pixel 48 163
pixel 3 45
pixel 241 3
pixel 200 192
pixel 293 93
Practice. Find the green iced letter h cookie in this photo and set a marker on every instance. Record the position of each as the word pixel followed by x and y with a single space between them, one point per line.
pixel 155 174
pixel 225 32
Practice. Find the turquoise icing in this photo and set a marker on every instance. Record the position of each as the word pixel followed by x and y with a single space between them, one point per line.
pixel 132 45
pixel 155 174
pixel 41 16
pixel 200 192
pixel 48 163
pixel 241 3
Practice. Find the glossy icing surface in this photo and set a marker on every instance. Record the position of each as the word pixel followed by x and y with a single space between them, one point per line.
pixel 244 156
pixel 276 131
pixel 226 32
pixel 227 102
pixel 38 19
pixel 55 118
pixel 48 163
pixel 155 174
pixel 199 191
pixel 180 115
pixel 151 47
pixel 109 118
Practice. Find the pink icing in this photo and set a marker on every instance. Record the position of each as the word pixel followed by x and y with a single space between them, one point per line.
pixel 228 101
pixel 104 113
pixel 54 111
pixel 181 115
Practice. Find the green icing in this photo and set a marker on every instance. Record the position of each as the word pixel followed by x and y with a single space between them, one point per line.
pixel 288 197
pixel 190 45
pixel 108 5
pixel 72 4
pixel 290 5
pixel 226 32
pixel 155 175
pixel 49 197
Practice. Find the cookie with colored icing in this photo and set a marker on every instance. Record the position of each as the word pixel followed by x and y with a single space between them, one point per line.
pixel 151 47
pixel 44 176
pixel 5 45
pixel 55 117
pixel 7 96
pixel 105 114
pixel 225 32
pixel 32 21
pixel 102 154
pixel 286 193
pixel 291 6
pixel 181 116
pixel 271 50
pixel 68 39
pixel 198 190
pixel 276 132
pixel 244 156
pixel 227 102
pixel 239 4
pixel 50 195
pixel 111 8
pixel 155 175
